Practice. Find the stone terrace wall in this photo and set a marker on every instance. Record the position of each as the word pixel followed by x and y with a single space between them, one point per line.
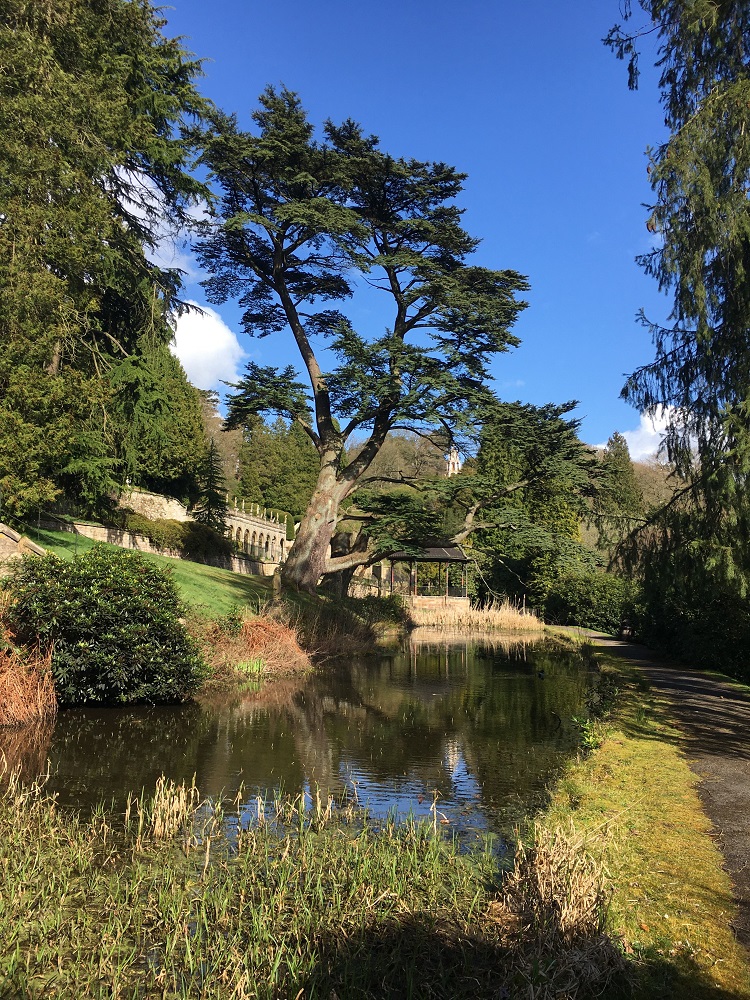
pixel 140 543
pixel 261 538
pixel 153 506
pixel 13 546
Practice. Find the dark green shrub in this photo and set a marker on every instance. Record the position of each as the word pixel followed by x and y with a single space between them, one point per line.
pixel 592 600
pixel 201 542
pixel 112 620
pixel 164 533
pixel 191 539
pixel 701 628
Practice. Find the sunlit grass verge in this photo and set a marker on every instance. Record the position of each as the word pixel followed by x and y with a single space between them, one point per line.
pixel 497 616
pixel 176 900
pixel 634 805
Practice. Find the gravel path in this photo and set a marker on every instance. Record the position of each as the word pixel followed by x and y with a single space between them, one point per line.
pixel 714 720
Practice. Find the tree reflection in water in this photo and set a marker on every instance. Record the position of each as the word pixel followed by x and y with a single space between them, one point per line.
pixel 483 724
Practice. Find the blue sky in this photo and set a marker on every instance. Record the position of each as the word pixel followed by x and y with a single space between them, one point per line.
pixel 522 97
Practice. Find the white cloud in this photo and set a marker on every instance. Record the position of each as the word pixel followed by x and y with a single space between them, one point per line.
pixel 644 441
pixel 208 350
pixel 172 247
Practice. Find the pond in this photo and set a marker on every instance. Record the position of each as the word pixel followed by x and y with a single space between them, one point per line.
pixel 478 726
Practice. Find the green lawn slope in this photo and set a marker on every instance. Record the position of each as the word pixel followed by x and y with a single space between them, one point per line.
pixel 207 589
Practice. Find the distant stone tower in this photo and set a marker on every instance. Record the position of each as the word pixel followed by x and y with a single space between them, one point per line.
pixel 453 463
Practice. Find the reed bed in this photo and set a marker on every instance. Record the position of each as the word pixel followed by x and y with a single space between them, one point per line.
pixel 294 898
pixel 243 645
pixel 499 616
pixel 27 689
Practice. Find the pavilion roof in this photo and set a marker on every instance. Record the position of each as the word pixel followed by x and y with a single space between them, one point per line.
pixel 432 553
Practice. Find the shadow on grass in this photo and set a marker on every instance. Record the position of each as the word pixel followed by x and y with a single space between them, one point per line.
pixel 417 957
pixel 60 542
pixel 661 978
pixel 711 716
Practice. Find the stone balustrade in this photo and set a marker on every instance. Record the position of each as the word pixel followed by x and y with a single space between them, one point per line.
pixel 256 534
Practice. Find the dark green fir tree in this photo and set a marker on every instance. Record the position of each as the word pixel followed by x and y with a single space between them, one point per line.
pixel 694 555
pixel 211 508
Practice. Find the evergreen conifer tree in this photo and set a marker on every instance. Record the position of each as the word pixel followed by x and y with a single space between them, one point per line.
pixel 694 553
pixel 95 104
pixel 298 219
pixel 619 504
pixel 211 507
pixel 700 376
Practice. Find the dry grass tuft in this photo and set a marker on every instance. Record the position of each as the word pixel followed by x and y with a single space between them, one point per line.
pixel 498 616
pixel 552 916
pixel 27 690
pixel 246 646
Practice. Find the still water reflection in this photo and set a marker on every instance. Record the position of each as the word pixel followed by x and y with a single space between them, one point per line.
pixel 484 724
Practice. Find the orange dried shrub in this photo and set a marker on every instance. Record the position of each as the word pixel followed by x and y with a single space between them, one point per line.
pixel 27 690
pixel 266 643
pixel 275 642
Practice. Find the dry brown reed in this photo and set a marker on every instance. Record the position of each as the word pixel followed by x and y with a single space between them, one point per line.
pixel 27 689
pixel 497 617
pixel 552 915
pixel 259 644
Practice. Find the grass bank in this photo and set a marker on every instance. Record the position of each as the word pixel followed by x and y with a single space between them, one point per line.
pixel 633 803
pixel 211 591
pixel 172 901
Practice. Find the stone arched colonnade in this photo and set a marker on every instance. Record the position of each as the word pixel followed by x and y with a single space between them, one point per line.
pixel 258 536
